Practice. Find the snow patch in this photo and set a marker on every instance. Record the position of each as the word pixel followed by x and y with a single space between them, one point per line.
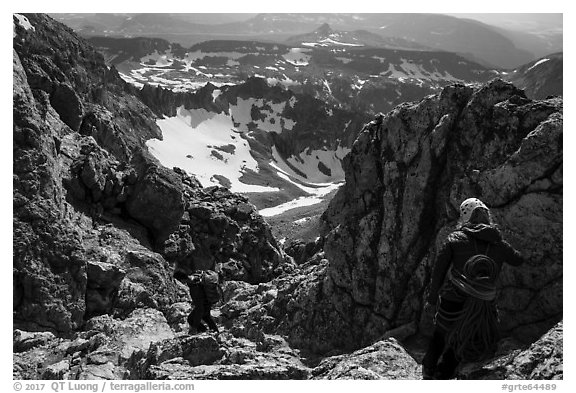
pixel 160 60
pixel 329 42
pixel 537 64
pixel 273 121
pixel 302 221
pixel 297 56
pixel 316 196
pixel 191 141
pixel 410 70
pixel 22 22
pixel 344 60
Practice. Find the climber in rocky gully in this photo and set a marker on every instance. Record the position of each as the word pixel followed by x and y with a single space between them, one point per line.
pixel 205 291
pixel 466 319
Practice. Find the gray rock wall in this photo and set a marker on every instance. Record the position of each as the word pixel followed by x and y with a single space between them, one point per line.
pixel 401 199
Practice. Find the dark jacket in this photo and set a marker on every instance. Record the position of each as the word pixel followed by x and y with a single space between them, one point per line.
pixel 460 246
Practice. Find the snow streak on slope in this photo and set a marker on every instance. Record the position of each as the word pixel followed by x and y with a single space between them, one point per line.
pixel 313 185
pixel 316 191
pixel 537 64
pixel 309 161
pixel 206 145
pixel 329 42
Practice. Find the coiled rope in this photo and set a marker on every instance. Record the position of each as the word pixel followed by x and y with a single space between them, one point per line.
pixel 473 331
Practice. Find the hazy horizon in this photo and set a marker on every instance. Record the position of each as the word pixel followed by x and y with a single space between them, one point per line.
pixel 526 22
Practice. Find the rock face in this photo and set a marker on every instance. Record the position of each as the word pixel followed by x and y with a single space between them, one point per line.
pixel 93 209
pixel 401 198
pixel 221 227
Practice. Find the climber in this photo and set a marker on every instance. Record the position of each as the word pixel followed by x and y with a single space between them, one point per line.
pixel 466 319
pixel 205 292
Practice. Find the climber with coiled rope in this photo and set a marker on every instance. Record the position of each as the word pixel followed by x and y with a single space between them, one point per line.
pixel 466 319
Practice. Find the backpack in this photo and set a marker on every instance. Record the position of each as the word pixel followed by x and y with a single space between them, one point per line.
pixel 211 284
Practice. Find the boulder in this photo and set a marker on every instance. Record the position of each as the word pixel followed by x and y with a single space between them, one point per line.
pixel 23 341
pixel 58 370
pixel 383 360
pixel 102 289
pixel 157 202
pixel 136 332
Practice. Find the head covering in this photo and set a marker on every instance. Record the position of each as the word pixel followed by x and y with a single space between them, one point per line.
pixel 468 206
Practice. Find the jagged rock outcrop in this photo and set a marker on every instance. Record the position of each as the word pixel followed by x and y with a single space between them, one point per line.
pixel 401 198
pixel 165 102
pixel 382 360
pixel 92 208
pixel 221 227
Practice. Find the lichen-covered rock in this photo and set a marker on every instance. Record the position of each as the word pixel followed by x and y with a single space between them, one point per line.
pixel 57 370
pixel 23 341
pixel 141 328
pixel 205 356
pixel 382 360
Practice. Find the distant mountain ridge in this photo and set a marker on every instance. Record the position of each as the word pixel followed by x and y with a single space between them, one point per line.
pixel 482 42
pixel 325 36
pixel 337 73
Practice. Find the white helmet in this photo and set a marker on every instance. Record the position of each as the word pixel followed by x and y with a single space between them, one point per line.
pixel 468 206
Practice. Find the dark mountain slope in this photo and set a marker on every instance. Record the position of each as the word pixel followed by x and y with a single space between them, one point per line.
pixel 541 78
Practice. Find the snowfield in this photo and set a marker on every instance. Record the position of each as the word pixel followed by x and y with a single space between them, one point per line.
pixel 206 145
pixel 297 56
pixel 209 146
pixel 317 193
